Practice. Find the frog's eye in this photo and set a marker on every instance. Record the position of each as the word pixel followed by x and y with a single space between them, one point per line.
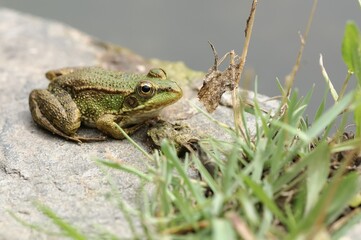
pixel 157 73
pixel 146 89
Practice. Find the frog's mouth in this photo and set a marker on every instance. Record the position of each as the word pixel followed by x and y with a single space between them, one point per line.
pixel 152 107
pixel 161 101
pixel 164 97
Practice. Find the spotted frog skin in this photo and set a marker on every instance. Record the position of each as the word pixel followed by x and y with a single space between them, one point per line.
pixel 102 99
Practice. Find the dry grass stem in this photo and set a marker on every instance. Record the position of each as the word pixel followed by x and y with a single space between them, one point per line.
pixel 290 78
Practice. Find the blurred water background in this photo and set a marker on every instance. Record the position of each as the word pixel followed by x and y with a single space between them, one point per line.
pixel 179 30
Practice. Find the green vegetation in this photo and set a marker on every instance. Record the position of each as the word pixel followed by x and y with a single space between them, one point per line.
pixel 351 53
pixel 278 184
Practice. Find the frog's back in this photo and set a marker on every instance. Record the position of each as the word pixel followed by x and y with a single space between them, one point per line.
pixel 96 78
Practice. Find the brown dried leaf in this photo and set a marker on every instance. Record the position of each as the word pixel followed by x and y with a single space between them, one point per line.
pixel 216 82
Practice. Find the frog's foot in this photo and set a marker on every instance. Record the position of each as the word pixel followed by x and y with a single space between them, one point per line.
pixel 108 124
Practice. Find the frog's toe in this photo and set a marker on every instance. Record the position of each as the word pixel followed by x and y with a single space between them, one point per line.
pixel 73 138
pixel 90 139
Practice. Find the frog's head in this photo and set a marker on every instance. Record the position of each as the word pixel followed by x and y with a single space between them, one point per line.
pixel 152 92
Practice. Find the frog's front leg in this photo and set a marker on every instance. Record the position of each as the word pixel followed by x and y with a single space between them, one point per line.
pixel 107 123
pixel 55 111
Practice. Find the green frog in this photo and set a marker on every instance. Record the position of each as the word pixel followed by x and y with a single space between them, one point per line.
pixel 101 99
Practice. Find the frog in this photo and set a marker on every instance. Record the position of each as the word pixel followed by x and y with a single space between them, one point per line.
pixel 100 98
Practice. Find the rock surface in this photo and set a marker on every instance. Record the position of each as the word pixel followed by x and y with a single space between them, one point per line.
pixel 35 165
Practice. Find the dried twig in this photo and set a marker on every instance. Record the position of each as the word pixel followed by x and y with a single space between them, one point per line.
pixel 242 61
pixel 290 78
pixel 240 226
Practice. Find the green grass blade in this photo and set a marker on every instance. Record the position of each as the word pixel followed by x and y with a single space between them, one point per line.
pixel 347 145
pixel 206 176
pixel 317 173
pixel 186 209
pixel 222 229
pixel 260 157
pixel 125 168
pixel 265 199
pixel 317 128
pixel 343 230
pixel 65 227
pixel 344 194
pixel 321 108
pixel 149 157
pixel 357 115
pixel 34 227
pixel 329 116
pixel 229 170
pixel 351 49
pixel 330 204
pixel 297 168
pixel 171 155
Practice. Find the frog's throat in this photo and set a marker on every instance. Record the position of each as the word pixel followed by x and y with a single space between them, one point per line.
pixel 141 117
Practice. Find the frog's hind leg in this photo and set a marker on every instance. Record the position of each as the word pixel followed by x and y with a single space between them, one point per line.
pixel 56 112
